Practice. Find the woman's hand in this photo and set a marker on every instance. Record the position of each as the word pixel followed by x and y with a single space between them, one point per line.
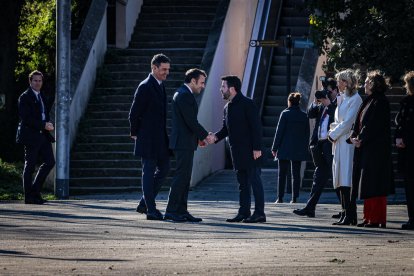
pixel 399 143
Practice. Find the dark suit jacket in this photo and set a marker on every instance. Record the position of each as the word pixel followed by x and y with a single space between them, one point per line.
pixel 315 112
pixel 148 118
pixel 186 131
pixel 292 135
pixel 31 126
pixel 241 123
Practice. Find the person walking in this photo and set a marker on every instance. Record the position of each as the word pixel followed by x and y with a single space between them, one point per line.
pixel 148 128
pixel 34 133
pixel 404 140
pixel 241 123
pixel 186 132
pixel 343 152
pixel 290 145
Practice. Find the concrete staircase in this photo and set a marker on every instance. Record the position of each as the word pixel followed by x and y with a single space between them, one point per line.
pixel 102 157
pixel 295 19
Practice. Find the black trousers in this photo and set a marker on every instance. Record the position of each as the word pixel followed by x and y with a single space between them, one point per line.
pixel 286 167
pixel 409 194
pixel 32 153
pixel 250 179
pixel 180 186
pixel 321 174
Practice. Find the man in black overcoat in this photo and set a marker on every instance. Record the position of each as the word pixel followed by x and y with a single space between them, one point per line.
pixel 241 123
pixel 34 133
pixel 148 127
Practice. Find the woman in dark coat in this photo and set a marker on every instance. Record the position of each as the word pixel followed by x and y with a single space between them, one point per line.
pixel 290 145
pixel 404 140
pixel 372 178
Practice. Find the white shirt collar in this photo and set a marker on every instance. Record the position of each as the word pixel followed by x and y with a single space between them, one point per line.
pixel 159 82
pixel 189 88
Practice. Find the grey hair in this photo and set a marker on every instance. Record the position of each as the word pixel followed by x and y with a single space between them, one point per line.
pixel 349 76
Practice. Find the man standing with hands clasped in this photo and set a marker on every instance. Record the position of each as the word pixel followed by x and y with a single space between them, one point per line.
pixel 34 133
pixel 241 123
pixel 186 132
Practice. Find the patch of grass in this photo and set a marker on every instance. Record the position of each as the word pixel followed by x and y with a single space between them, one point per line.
pixel 11 185
pixel 11 181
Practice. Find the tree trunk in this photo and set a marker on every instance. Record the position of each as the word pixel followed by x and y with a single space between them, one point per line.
pixel 9 22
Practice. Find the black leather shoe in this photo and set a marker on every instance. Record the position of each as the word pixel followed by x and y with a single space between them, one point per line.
pixel 141 209
pixel 155 216
pixel 237 218
pixel 255 219
pixel 293 200
pixel 279 200
pixel 362 224
pixel 190 218
pixel 408 226
pixel 337 216
pixel 174 217
pixel 348 221
pixel 304 212
pixel 33 200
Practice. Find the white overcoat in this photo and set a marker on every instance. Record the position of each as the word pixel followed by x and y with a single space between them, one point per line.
pixel 340 130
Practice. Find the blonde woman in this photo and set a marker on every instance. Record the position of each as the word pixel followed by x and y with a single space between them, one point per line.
pixel 343 152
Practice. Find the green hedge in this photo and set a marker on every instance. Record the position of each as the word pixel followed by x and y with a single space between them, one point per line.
pixel 11 186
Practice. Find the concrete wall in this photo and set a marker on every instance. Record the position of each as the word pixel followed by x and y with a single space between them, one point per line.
pixel 86 84
pixel 230 58
pixel 127 12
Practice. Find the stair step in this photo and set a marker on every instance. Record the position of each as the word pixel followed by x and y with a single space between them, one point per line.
pixel 177 16
pixel 168 44
pixel 105 163
pixel 182 9
pixel 84 147
pixel 123 122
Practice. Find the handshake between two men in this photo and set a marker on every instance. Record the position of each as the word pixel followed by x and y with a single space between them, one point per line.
pixel 210 139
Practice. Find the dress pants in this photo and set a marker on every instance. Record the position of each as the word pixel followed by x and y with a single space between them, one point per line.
pixel 180 186
pixel 409 192
pixel 154 172
pixel 321 175
pixel 285 167
pixel 43 149
pixel 249 179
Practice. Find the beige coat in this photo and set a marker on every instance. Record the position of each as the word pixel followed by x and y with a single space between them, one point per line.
pixel 340 129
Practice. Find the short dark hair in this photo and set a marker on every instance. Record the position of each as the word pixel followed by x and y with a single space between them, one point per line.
pixel 194 73
pixel 35 73
pixel 160 58
pixel 332 83
pixel 294 98
pixel 378 81
pixel 232 81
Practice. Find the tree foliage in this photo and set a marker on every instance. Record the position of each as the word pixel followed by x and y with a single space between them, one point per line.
pixel 37 32
pixel 374 34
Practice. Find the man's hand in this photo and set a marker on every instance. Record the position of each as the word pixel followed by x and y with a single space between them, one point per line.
pixel 356 142
pixel 399 143
pixel 274 153
pixel 257 154
pixel 134 137
pixel 211 138
pixel 49 126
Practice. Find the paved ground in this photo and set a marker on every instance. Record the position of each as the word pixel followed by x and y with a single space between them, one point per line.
pixel 104 235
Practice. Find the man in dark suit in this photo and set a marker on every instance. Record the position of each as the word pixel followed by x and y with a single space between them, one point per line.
pixel 34 133
pixel 148 126
pixel 186 132
pixel 241 123
pixel 323 110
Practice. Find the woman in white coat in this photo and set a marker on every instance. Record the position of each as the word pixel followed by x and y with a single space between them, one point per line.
pixel 343 152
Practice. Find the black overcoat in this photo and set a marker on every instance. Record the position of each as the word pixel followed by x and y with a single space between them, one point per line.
pixel 241 123
pixel 372 160
pixel 148 120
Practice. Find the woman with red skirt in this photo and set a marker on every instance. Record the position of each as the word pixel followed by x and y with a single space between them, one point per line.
pixel 372 177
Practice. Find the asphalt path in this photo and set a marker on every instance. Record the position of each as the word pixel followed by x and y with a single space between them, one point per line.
pixel 103 235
